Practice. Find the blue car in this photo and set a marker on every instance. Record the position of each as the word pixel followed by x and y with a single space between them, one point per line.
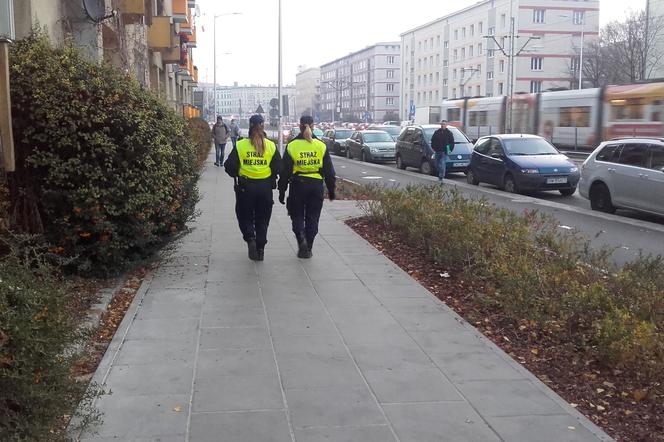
pixel 521 163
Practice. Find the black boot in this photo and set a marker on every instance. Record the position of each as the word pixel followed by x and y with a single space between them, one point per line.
pixel 303 248
pixel 261 254
pixel 253 251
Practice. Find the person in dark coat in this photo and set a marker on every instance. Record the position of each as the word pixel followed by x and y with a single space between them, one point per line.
pixel 442 143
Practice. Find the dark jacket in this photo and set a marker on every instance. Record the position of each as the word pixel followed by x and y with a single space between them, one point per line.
pixel 442 138
pixel 327 170
pixel 232 165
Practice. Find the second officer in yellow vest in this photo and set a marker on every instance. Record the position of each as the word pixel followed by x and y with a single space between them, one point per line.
pixel 306 165
pixel 254 163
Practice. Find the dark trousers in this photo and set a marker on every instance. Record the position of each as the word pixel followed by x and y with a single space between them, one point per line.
pixel 253 208
pixel 219 152
pixel 305 201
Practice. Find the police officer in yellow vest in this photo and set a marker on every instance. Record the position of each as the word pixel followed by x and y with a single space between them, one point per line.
pixel 306 165
pixel 254 163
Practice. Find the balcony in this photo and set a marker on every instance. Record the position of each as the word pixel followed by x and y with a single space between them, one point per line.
pixel 160 34
pixel 132 7
pixel 180 11
pixel 191 3
pixel 192 39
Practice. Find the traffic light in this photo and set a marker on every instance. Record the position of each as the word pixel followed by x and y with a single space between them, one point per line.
pixel 284 105
pixel 274 112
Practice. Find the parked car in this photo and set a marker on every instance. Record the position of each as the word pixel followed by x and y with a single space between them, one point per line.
pixel 520 162
pixel 394 131
pixel 414 149
pixel 294 132
pixel 335 140
pixel 392 123
pixel 370 145
pixel 626 173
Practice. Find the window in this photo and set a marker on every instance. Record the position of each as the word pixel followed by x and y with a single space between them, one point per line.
pixel 431 61
pixel 501 66
pixel 463 53
pixel 454 114
pixel 492 30
pixel 456 55
pixel 536 63
pixel 479 49
pixel 657 158
pixel 446 44
pixel 503 21
pixel 462 72
pixel 574 64
pixel 445 63
pixel 479 68
pixel 579 17
pixel 500 88
pixel 463 32
pixel 389 101
pixel 445 82
pixel 390 59
pixel 389 87
pixel 390 73
pixel 633 155
pixel 477 118
pixel 630 109
pixel 479 27
pixel 483 146
pixel 472 30
pixel 430 96
pixel 454 95
pixel 430 78
pixel 535 86
pixel 419 80
pixel 438 41
pixel 437 59
pixel 538 15
pixel 610 153
pixel 436 96
pixel 454 74
pixel 574 116
pixel 478 90
pixel 456 34
pixel 431 42
pixel 490 52
pixel 425 45
pixel 418 98
pixel 419 45
pixel 489 75
pixel 470 51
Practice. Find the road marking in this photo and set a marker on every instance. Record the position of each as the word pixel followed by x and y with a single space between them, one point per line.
pixel 372 177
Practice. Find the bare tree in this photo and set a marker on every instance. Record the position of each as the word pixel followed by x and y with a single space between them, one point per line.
pixel 631 46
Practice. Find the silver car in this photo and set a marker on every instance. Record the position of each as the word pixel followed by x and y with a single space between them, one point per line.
pixel 625 173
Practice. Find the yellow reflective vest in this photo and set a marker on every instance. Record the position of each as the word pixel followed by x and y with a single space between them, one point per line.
pixel 252 164
pixel 307 157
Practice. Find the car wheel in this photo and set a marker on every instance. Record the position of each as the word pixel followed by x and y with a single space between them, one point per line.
pixel 600 199
pixel 400 163
pixel 471 178
pixel 568 192
pixel 364 157
pixel 510 185
pixel 348 155
pixel 425 167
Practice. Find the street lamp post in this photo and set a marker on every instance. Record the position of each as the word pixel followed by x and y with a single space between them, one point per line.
pixel 279 97
pixel 583 25
pixel 214 56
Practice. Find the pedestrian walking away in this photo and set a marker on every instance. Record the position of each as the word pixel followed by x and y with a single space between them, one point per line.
pixel 220 134
pixel 235 132
pixel 442 143
pixel 306 165
pixel 254 165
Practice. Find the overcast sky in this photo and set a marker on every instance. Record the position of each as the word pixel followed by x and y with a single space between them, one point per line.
pixel 315 32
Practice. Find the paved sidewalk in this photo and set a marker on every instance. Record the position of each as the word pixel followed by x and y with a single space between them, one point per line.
pixel 342 347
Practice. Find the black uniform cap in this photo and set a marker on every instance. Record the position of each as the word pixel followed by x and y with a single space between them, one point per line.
pixel 306 119
pixel 256 120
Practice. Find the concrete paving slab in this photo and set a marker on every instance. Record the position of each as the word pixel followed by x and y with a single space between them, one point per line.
pixel 267 426
pixel 305 371
pixel 375 433
pixel 421 385
pixel 150 379
pixel 540 428
pixel 391 357
pixel 159 329
pixel 233 317
pixel 235 337
pixel 237 393
pixel 441 421
pixel 148 352
pixel 235 362
pixel 334 407
pixel 479 365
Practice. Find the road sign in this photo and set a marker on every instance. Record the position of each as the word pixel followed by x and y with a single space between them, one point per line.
pixel 274 113
pixel 274 102
pixel 259 110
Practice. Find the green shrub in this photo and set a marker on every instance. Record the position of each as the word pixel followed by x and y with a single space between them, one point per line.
pixel 36 336
pixel 108 167
pixel 201 136
pixel 534 271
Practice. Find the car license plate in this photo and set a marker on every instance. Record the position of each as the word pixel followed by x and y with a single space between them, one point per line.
pixel 562 180
pixel 464 164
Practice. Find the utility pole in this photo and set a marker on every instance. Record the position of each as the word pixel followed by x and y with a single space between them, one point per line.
pixel 279 136
pixel 583 25
pixel 511 55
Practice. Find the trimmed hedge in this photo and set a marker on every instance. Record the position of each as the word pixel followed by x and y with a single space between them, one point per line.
pixel 105 169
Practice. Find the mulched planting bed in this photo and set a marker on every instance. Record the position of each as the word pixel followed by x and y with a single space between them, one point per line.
pixel 614 400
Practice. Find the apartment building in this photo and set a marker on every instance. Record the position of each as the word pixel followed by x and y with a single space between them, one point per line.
pixel 150 39
pixel 307 90
pixel 459 55
pixel 243 101
pixel 363 85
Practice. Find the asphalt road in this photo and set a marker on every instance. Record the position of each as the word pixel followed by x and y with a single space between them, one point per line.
pixel 629 233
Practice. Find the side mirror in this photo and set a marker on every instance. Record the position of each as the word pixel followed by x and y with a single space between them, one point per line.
pixel 497 155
